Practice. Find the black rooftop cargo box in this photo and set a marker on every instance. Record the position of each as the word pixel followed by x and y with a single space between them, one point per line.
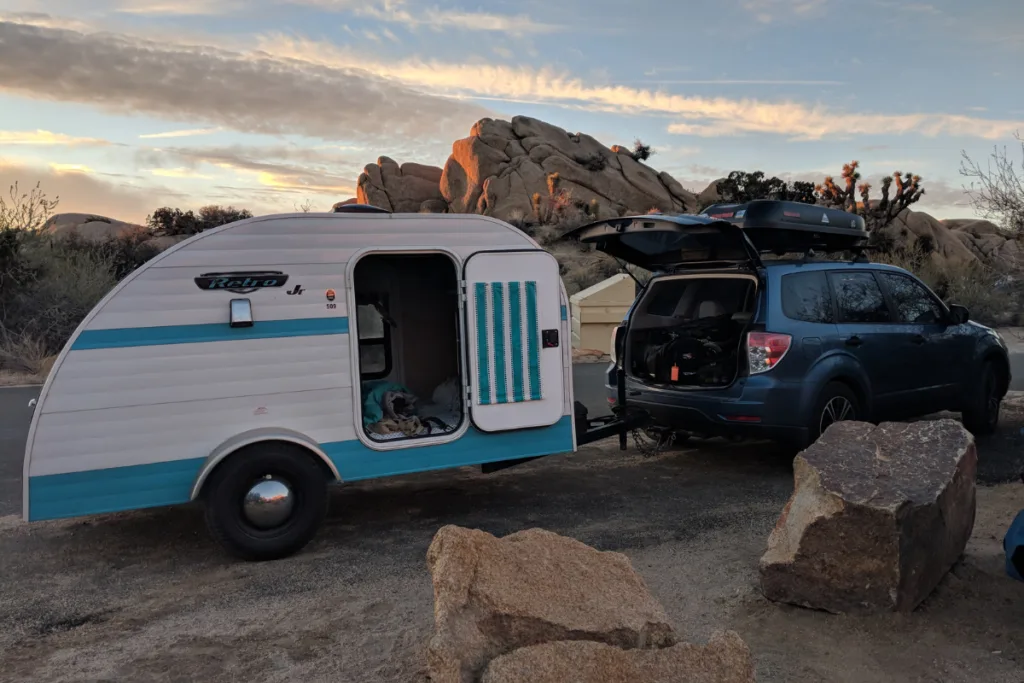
pixel 781 226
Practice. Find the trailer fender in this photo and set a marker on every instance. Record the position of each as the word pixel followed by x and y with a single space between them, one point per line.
pixel 257 436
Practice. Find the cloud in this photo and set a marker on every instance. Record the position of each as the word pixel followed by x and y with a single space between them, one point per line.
pixel 181 133
pixel 61 169
pixel 280 168
pixel 725 81
pixel 439 19
pixel 178 7
pixel 178 173
pixel 767 11
pixel 703 116
pixel 400 12
pixel 45 137
pixel 251 92
pixel 86 193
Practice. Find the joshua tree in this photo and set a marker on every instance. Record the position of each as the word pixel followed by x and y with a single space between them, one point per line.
pixel 878 214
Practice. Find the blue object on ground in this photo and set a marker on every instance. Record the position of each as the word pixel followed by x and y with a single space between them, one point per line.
pixel 1013 545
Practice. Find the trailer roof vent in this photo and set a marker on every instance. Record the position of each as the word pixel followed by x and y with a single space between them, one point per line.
pixel 358 208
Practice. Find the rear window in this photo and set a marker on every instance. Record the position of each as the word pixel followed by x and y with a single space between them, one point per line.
pixel 805 296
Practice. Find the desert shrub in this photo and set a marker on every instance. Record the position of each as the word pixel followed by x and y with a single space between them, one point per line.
pixel 742 186
pixel 168 221
pixel 25 210
pixel 58 284
pixel 49 284
pixel 997 191
pixel 641 152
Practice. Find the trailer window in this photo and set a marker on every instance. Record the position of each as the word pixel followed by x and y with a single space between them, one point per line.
pixel 374 342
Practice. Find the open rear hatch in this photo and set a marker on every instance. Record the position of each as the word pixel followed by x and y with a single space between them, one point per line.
pixel 658 242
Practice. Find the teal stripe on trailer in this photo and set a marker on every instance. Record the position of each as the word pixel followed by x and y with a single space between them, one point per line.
pixel 565 314
pixel 515 307
pixel 482 345
pixel 115 489
pixel 125 337
pixel 533 340
pixel 134 487
pixel 498 317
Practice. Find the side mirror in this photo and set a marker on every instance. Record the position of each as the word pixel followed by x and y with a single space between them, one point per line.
pixel 958 315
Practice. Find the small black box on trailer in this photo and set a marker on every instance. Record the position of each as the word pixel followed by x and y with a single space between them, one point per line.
pixel 780 227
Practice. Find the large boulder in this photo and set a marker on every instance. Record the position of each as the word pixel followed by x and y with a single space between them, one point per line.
pixel 402 189
pixel 493 596
pixel 725 659
pixel 89 227
pixel 877 518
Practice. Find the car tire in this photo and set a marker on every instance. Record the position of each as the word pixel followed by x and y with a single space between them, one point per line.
pixel 258 528
pixel 981 415
pixel 837 403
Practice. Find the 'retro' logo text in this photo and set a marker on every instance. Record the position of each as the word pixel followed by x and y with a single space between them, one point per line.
pixel 241 282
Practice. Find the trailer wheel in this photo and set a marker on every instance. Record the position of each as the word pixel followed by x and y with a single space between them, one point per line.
pixel 266 501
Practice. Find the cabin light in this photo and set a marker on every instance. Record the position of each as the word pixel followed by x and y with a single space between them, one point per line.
pixel 241 313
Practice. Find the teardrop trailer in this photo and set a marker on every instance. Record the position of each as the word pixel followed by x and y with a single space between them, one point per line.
pixel 252 364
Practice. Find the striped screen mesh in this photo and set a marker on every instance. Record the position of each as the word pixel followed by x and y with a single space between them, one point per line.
pixel 508 342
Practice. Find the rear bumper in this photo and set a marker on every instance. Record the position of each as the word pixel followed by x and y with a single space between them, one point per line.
pixel 753 407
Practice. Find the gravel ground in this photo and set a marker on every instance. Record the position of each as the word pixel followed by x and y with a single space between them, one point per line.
pixel 146 596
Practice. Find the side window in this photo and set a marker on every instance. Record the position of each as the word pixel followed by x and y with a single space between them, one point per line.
pixel 374 343
pixel 913 302
pixel 859 298
pixel 805 296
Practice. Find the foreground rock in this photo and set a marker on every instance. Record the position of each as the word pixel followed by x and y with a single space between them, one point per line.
pixel 877 517
pixel 725 659
pixel 493 596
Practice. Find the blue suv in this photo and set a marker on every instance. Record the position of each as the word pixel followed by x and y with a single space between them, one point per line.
pixel 731 338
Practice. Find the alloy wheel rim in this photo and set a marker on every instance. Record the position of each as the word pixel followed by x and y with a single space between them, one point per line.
pixel 838 409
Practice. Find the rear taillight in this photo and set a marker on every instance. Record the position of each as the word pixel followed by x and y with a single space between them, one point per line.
pixel 765 350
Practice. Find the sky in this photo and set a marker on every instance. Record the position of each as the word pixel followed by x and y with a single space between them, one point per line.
pixel 122 106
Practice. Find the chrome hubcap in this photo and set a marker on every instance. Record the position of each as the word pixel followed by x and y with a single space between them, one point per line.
pixel 268 503
pixel 837 409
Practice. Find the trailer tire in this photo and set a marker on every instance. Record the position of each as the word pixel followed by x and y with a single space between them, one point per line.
pixel 266 501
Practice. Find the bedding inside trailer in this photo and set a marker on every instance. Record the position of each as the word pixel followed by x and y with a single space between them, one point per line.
pixel 407 322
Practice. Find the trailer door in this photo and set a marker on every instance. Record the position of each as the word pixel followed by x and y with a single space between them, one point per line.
pixel 514 330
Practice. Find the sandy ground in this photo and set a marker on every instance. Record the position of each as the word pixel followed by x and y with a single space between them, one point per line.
pixel 146 596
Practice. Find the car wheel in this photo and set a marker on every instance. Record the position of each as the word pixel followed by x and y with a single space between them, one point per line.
pixel 837 403
pixel 981 416
pixel 266 501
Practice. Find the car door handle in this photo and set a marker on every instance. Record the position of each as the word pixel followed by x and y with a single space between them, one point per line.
pixel 917 339
pixel 854 341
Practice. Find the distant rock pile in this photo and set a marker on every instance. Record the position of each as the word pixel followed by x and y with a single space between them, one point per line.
pixel 877 518
pixel 92 228
pixel 503 167
pixel 537 607
pixel 498 169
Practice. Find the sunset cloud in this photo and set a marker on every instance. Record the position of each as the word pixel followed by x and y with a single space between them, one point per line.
pixel 45 137
pixel 246 92
pixel 695 115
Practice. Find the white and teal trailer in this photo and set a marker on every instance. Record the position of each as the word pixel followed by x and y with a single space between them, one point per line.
pixel 252 364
